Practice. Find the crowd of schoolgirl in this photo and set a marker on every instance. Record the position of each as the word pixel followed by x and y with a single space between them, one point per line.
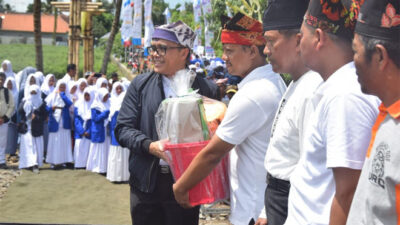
pixel 64 122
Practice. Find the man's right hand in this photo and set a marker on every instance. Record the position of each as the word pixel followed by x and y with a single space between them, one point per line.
pixel 156 148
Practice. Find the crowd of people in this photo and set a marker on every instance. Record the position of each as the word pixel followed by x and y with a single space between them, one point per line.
pixel 64 123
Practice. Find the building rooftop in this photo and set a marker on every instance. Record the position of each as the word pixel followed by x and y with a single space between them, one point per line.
pixel 24 22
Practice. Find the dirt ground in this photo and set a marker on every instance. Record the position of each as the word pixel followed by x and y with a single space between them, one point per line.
pixel 68 197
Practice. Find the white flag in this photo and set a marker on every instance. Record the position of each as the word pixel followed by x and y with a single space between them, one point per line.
pixel 149 27
pixel 167 14
pixel 137 20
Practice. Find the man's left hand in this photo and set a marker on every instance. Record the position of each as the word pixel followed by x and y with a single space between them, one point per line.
pixel 182 197
pixel 261 221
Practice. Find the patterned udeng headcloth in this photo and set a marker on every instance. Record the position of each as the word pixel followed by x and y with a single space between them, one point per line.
pixel 177 32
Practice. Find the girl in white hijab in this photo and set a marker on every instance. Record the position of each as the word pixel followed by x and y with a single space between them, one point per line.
pixel 6 67
pixel 58 103
pixel 12 134
pixel 33 112
pixel 31 80
pixel 39 78
pixel 102 83
pixel 81 84
pixel 82 121
pixel 48 84
pixel 100 141
pixel 118 157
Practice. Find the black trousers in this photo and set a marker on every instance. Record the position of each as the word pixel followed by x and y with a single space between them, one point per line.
pixel 276 200
pixel 160 207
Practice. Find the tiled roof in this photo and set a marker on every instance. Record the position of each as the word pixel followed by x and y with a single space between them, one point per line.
pixel 24 22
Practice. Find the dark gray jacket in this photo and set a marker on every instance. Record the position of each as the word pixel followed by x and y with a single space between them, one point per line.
pixel 136 127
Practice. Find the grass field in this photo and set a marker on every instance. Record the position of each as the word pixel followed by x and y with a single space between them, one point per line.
pixel 55 58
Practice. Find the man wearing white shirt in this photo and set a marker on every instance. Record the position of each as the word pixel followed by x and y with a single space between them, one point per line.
pixel 246 126
pixel 282 34
pixel 71 71
pixel 336 136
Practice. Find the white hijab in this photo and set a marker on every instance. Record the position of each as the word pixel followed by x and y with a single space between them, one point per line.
pixel 98 102
pixel 78 83
pixel 71 85
pixel 125 82
pixel 39 77
pixel 46 88
pixel 101 81
pixel 116 100
pixel 33 101
pixel 83 106
pixel 14 89
pixel 9 72
pixel 54 99
pixel 27 85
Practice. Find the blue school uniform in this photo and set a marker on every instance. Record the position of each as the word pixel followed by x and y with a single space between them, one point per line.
pixel 53 124
pixel 98 130
pixel 79 129
pixel 113 123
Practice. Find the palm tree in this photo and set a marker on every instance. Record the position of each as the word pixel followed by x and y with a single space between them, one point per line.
pixel 38 36
pixel 110 41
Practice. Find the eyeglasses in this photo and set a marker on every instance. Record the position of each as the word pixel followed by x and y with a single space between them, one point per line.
pixel 161 50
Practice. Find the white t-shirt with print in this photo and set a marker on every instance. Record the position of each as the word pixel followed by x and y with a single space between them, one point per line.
pixel 337 135
pixel 247 125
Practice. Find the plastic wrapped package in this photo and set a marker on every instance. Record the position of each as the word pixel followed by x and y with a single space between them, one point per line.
pixel 183 125
pixel 214 187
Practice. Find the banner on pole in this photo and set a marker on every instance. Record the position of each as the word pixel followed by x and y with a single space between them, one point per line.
pixel 167 14
pixel 127 22
pixel 149 27
pixel 137 22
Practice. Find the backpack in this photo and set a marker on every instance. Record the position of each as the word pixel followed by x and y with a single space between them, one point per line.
pixel 6 95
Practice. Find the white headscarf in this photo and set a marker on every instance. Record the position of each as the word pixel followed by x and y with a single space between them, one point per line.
pixel 9 72
pixel 115 99
pixel 83 106
pixel 99 104
pixel 14 90
pixel 101 81
pixel 32 102
pixel 54 99
pixel 71 85
pixel 46 89
pixel 78 83
pixel 125 82
pixel 39 77
pixel 27 85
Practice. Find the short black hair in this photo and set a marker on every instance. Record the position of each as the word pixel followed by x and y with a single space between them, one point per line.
pixel 71 67
pixel 114 74
pixel 3 75
pixel 392 47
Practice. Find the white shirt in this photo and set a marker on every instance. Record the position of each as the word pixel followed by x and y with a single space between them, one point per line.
pixel 284 147
pixel 337 135
pixel 247 125
pixel 67 78
pixel 169 93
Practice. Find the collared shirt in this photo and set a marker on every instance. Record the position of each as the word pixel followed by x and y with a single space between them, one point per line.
pixel 337 135
pixel 6 109
pixel 377 198
pixel 247 125
pixel 284 149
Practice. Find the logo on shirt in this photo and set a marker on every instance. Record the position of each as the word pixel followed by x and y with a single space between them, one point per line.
pixel 377 170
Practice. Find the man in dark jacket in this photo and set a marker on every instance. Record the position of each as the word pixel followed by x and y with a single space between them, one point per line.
pixel 152 199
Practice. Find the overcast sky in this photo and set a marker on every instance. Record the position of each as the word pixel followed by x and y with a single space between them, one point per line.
pixel 21 5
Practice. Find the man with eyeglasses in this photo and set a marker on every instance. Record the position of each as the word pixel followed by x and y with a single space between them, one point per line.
pixel 152 199
pixel 245 130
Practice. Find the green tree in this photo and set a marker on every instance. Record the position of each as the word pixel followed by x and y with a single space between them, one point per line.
pixel 158 9
pixel 102 24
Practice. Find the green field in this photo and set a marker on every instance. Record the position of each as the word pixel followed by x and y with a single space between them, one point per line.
pixel 55 58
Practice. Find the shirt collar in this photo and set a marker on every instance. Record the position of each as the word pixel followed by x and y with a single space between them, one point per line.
pixel 255 74
pixel 336 77
pixel 393 110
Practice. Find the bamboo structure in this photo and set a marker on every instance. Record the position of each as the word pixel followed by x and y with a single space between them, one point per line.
pixel 75 8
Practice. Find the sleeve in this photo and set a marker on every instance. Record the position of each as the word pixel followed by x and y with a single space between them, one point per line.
pixel 126 131
pixel 41 113
pixel 21 112
pixel 66 100
pixel 239 121
pixel 99 116
pixel 78 123
pixel 347 126
pixel 11 106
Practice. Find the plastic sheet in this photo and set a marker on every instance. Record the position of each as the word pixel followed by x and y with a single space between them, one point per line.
pixel 214 187
pixel 185 125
